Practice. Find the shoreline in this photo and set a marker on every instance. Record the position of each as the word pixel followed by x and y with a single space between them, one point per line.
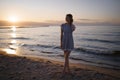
pixel 108 71
pixel 54 68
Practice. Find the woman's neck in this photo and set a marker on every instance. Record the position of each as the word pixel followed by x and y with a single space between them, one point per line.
pixel 69 24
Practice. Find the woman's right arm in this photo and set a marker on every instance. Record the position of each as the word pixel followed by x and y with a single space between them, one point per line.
pixel 61 36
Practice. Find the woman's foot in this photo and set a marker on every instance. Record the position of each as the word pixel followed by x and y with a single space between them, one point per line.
pixel 66 72
pixel 63 74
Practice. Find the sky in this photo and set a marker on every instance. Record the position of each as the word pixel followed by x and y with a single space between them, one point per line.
pixel 84 11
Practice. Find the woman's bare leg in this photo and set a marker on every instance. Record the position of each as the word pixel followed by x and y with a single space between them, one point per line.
pixel 66 64
pixel 64 70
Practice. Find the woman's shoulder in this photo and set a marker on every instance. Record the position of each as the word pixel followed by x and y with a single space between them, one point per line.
pixel 63 24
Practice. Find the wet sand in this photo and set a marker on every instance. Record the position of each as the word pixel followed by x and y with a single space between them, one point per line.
pixel 13 67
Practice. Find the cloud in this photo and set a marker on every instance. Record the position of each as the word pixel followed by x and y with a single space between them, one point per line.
pixel 54 22
pixel 96 23
pixel 7 23
pixel 89 20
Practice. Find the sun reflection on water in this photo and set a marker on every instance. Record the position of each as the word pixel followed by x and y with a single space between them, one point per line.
pixel 13 28
pixel 13 35
pixel 12 47
pixel 13 41
pixel 10 51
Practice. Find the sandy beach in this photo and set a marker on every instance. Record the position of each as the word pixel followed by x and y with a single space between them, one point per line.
pixel 42 39
pixel 13 67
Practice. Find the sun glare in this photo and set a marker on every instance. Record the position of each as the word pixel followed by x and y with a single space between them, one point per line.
pixel 13 19
pixel 10 51
pixel 13 35
pixel 13 28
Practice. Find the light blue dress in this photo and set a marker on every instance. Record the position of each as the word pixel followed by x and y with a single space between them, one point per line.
pixel 67 39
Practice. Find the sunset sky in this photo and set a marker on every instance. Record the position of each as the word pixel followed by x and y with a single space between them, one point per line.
pixel 85 11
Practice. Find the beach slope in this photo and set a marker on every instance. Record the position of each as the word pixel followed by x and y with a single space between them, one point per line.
pixel 13 67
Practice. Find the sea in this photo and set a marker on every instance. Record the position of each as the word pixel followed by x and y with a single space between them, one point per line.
pixel 93 45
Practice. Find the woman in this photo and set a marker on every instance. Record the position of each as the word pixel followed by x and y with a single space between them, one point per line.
pixel 67 43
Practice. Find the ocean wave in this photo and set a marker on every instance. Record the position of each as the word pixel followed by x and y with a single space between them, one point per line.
pixel 24 38
pixel 2 38
pixel 79 49
pixel 94 61
pixel 111 34
pixel 38 45
pixel 85 50
pixel 47 52
pixel 117 67
pixel 45 46
pixel 116 53
pixel 43 35
pixel 98 52
pixel 100 40
pixel 96 47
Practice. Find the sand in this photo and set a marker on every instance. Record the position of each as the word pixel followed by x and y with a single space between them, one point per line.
pixel 14 67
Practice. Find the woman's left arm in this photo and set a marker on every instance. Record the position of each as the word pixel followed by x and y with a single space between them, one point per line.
pixel 73 28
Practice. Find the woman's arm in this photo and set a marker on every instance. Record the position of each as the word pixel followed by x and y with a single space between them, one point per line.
pixel 61 36
pixel 73 27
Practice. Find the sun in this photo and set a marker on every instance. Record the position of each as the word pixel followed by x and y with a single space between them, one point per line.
pixel 13 19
